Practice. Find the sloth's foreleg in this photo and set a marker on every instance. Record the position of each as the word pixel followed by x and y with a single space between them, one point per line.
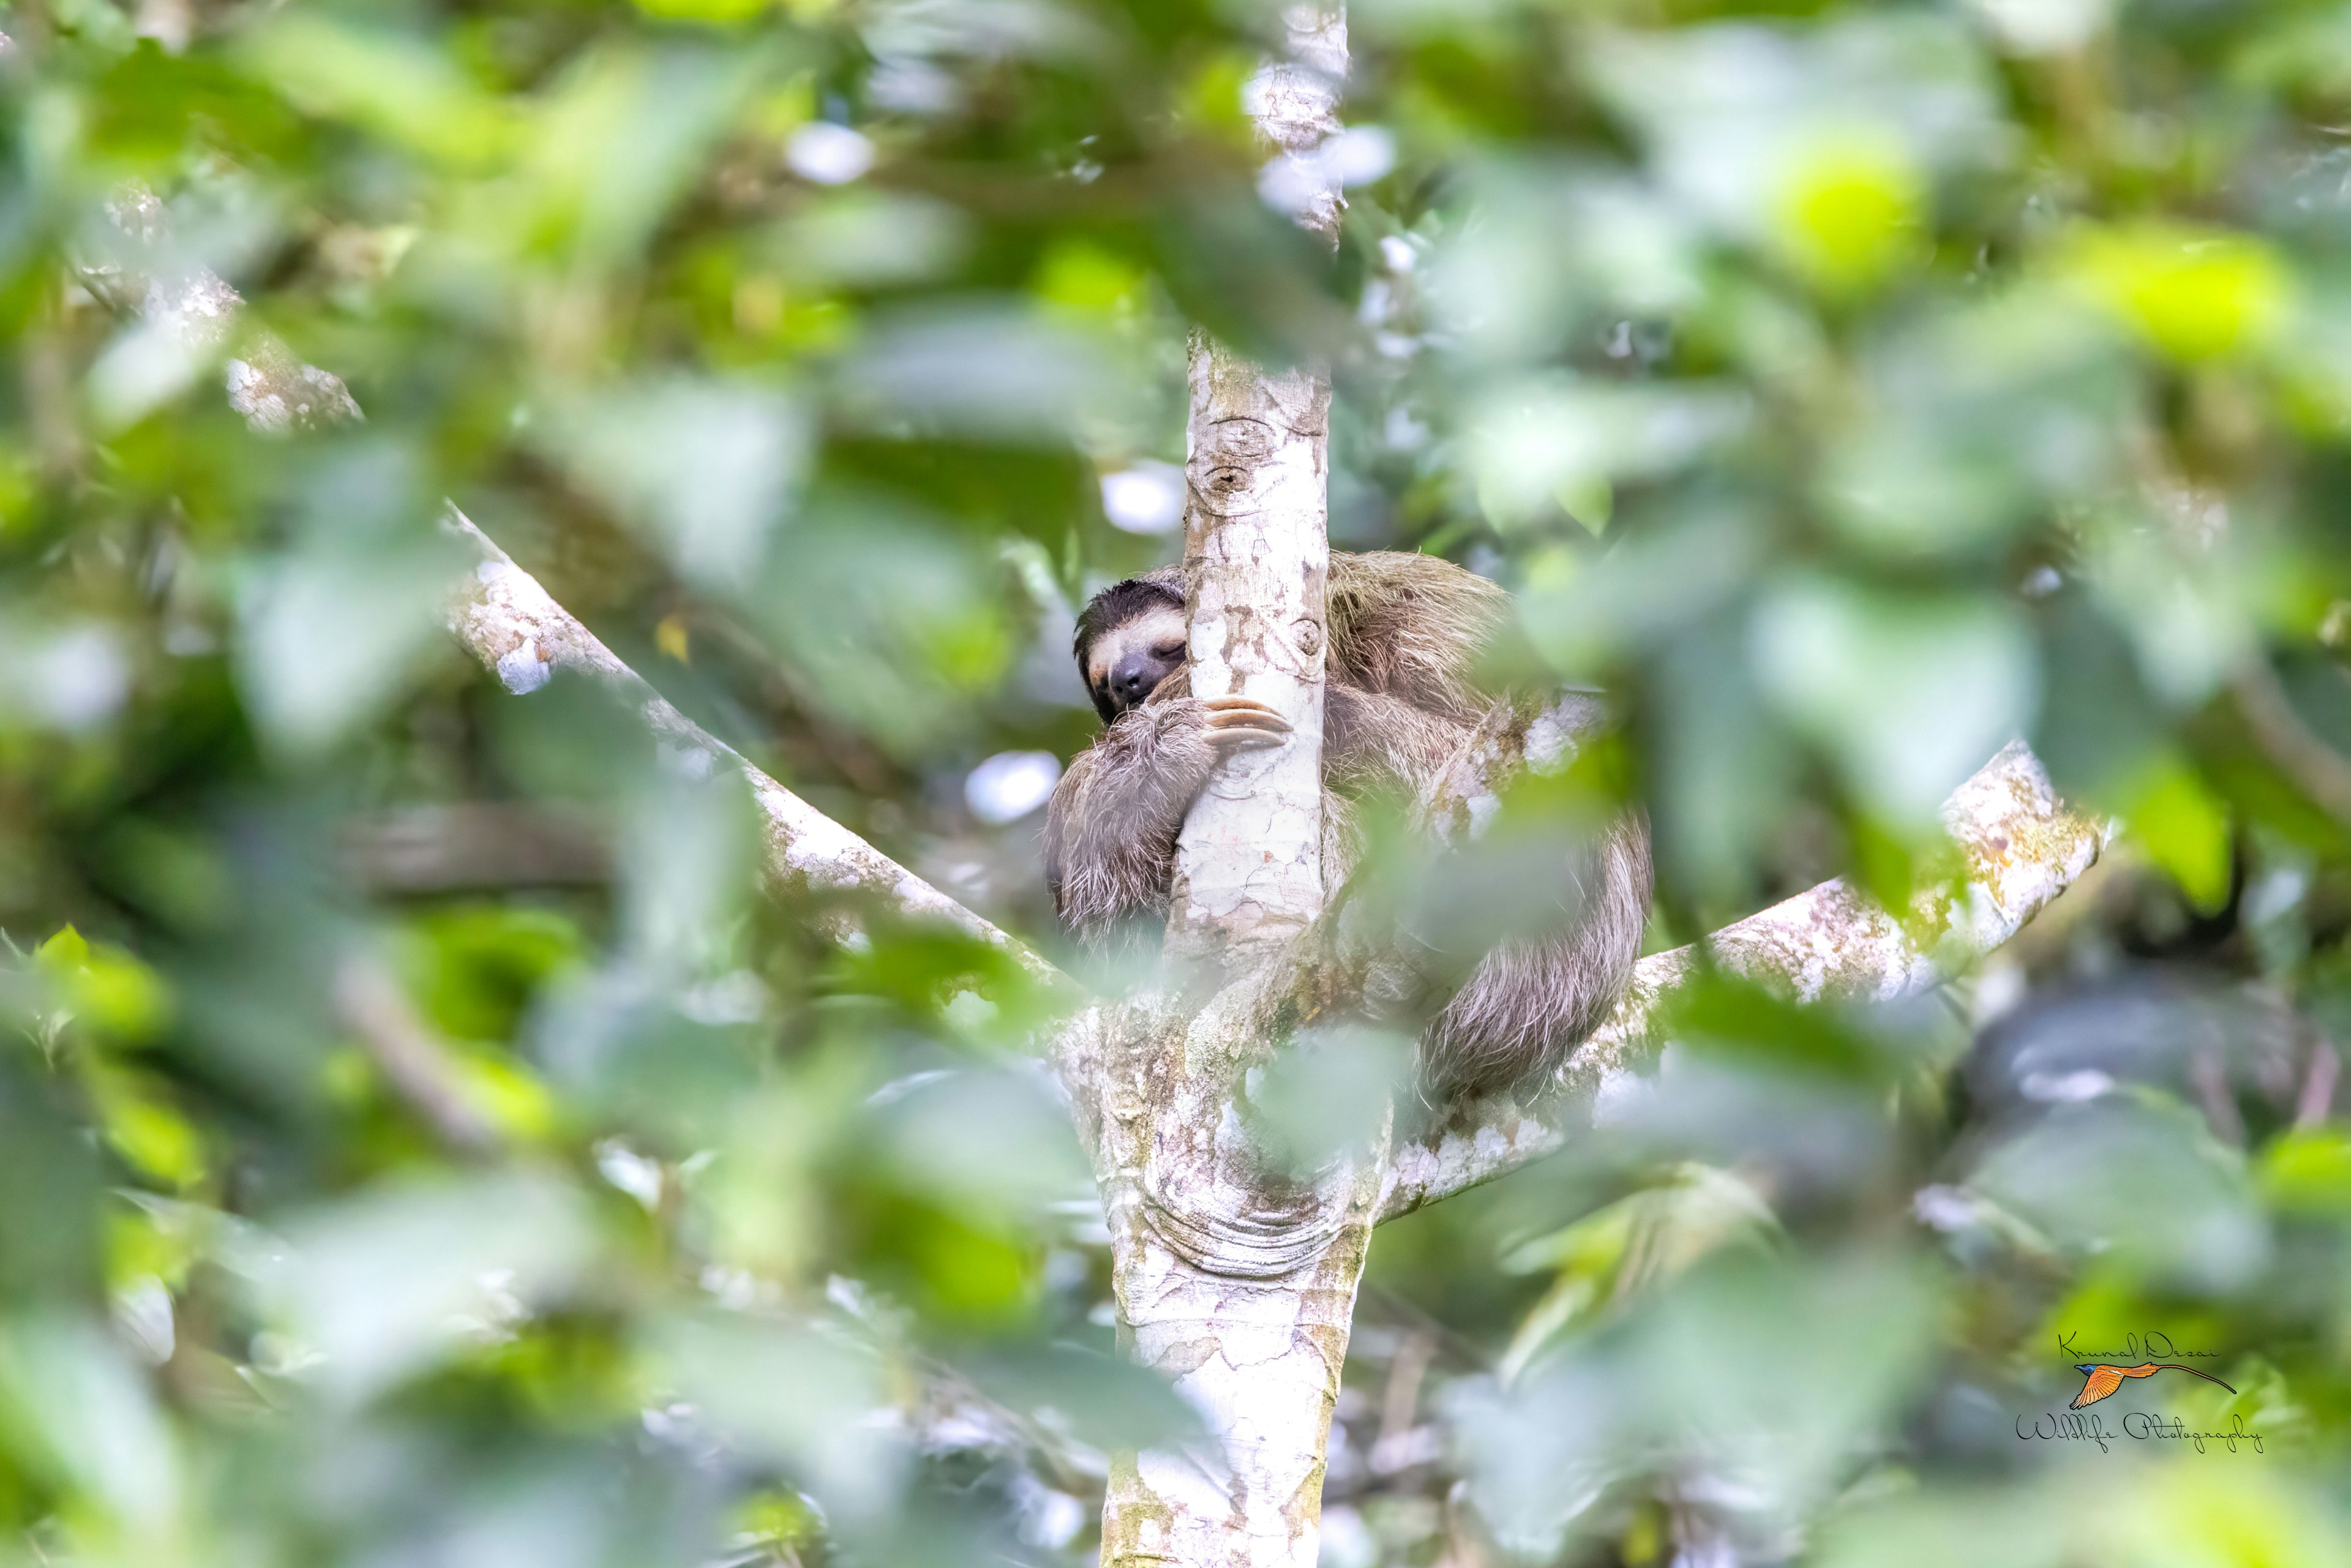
pixel 1110 830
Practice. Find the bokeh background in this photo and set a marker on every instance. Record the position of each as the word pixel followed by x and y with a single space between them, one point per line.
pixel 420 1141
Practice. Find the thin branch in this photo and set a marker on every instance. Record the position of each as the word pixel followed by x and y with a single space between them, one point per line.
pixel 472 844
pixel 1249 862
pixel 1293 100
pixel 1468 793
pixel 2022 848
pixel 2317 769
pixel 413 1060
pixel 2316 1101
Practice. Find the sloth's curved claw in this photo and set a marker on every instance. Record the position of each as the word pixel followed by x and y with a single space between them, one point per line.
pixel 1240 724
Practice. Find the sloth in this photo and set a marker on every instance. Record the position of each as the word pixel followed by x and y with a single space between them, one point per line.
pixel 1401 703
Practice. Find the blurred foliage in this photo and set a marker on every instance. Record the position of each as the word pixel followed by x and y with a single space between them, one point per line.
pixel 422 1143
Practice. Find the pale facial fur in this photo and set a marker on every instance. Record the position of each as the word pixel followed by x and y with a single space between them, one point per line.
pixel 1127 663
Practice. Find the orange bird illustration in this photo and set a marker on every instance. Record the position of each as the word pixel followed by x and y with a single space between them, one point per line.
pixel 2099 1380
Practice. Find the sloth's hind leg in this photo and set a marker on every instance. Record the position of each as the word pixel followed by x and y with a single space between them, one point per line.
pixel 1110 829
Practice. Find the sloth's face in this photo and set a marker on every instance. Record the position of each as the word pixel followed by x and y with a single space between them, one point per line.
pixel 1125 664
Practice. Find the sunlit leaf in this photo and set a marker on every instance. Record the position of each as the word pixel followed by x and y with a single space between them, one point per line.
pixel 2193 296
pixel 2184 827
pixel 1847 214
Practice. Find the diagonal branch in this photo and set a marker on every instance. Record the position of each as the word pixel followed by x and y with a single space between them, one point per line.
pixel 503 617
pixel 514 627
pixel 2022 848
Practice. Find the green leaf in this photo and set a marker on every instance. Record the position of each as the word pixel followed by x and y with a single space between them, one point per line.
pixel 2184 827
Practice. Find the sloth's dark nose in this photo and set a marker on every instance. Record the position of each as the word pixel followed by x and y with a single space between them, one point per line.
pixel 1132 680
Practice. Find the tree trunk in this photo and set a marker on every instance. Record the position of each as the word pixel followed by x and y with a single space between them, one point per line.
pixel 1234 1277
pixel 1248 866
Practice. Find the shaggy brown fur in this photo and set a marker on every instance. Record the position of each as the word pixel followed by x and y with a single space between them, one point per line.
pixel 1401 700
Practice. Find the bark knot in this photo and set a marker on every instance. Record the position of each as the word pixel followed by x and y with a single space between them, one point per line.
pixel 1225 480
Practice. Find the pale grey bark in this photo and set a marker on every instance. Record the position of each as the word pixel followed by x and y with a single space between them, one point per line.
pixel 198 312
pixel 1294 102
pixel 1249 865
pixel 1234 1277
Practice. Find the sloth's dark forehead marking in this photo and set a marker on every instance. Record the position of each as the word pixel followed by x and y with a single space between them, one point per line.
pixel 1121 602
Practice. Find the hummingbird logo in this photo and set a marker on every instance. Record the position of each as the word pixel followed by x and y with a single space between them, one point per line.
pixel 2100 1378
